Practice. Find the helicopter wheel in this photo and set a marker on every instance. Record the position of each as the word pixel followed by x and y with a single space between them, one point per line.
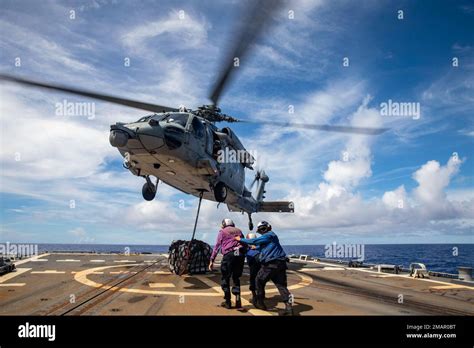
pixel 220 192
pixel 149 190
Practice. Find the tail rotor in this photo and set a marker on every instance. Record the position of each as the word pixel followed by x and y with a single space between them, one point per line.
pixel 260 179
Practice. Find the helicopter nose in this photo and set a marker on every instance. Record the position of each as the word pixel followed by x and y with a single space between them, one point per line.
pixel 118 138
pixel 150 135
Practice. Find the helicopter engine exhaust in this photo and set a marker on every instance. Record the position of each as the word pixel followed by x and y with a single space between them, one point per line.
pixel 118 138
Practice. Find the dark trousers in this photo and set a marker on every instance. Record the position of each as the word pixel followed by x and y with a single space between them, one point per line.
pixel 232 266
pixel 276 272
pixel 254 267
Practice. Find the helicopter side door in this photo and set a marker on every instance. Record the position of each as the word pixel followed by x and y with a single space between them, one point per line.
pixel 198 137
pixel 209 141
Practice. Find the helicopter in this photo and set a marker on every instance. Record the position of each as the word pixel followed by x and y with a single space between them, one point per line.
pixel 183 147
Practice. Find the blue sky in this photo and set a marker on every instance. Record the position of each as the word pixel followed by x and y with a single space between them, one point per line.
pixel 404 186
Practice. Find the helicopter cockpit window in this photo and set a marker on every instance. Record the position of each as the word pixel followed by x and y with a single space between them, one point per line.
pixel 198 127
pixel 181 119
pixel 144 118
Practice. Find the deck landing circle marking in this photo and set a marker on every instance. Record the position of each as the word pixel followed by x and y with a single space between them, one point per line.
pixel 81 277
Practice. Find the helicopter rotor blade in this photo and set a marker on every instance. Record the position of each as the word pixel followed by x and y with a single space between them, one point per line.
pixel 255 179
pixel 76 91
pixel 257 18
pixel 327 128
pixel 253 183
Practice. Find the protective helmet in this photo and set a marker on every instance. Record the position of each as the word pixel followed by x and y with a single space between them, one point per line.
pixel 251 236
pixel 264 226
pixel 227 222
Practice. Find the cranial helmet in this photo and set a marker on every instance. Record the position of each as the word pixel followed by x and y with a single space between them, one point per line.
pixel 263 227
pixel 227 222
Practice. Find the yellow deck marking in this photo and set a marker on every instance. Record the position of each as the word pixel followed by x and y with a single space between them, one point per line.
pixel 81 277
pixel 11 275
pixel 160 272
pixel 315 261
pixel 446 285
pixel 452 286
pixel 161 285
pixel 13 284
pixel 255 311
pixel 34 259
pixel 213 285
pixel 437 281
pixel 124 261
pixel 383 275
pixel 74 272
pixel 365 270
pixel 49 271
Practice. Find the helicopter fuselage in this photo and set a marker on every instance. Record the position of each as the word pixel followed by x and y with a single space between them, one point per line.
pixel 182 150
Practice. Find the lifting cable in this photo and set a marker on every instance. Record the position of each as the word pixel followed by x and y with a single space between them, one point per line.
pixel 192 256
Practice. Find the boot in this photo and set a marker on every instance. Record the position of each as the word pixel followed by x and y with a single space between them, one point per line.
pixel 238 302
pixel 254 298
pixel 288 311
pixel 227 304
pixel 260 304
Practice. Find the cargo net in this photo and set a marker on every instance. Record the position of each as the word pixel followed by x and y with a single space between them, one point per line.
pixel 190 257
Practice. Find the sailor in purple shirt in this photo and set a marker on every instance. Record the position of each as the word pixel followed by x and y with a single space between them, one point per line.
pixel 232 264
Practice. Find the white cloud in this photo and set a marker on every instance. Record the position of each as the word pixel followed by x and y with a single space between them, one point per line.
pixel 356 162
pixel 433 178
pixel 33 44
pixel 81 236
pixel 334 206
pixel 395 199
pixel 48 146
pixel 303 150
pixel 188 32
pixel 459 195
pixel 273 56
pixel 153 215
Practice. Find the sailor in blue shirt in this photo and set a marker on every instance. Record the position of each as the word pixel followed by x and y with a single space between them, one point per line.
pixel 273 266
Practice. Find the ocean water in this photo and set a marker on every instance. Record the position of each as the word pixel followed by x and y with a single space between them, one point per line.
pixel 437 257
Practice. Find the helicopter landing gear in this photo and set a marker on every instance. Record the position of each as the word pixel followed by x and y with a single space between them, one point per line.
pixel 250 222
pixel 220 192
pixel 149 189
